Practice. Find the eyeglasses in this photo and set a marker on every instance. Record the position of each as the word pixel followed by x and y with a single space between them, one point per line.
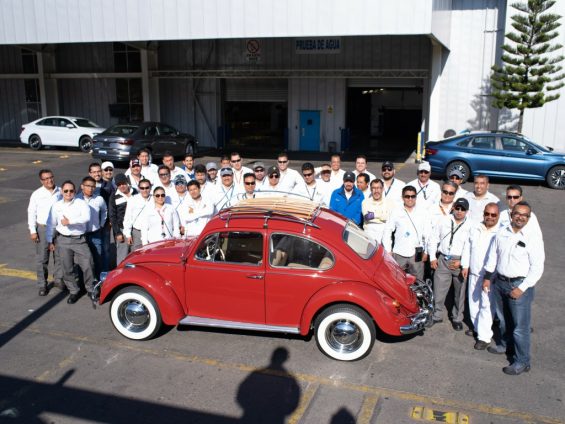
pixel 249 182
pixel 47 178
pixel 108 169
pixel 523 215
pixel 282 161
pixel 454 177
pixel 309 174
pixel 513 197
pixel 144 187
pixel 164 175
pixel 492 215
pixel 274 176
pixel 69 190
pixel 159 195
pixel 423 171
pixel 259 170
pixel 387 168
pixel 459 208
pixel 325 171
pixel 409 196
pixel 448 193
pixel 91 186
pixel 235 160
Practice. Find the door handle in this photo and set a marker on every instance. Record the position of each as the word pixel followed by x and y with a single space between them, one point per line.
pixel 256 276
pixel 302 132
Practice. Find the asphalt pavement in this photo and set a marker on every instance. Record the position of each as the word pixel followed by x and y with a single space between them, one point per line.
pixel 63 363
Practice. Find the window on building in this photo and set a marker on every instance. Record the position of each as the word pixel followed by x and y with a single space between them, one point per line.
pixel 31 86
pixel 126 58
pixel 129 97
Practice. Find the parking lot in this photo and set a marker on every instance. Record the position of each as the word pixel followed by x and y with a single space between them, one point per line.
pixel 63 363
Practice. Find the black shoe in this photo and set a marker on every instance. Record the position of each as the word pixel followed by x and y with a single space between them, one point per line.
pixel 43 291
pixel 480 345
pixel 457 326
pixel 438 320
pixel 515 369
pixel 73 298
pixel 496 349
pixel 470 333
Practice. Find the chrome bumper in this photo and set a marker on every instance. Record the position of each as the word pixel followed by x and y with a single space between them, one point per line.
pixel 95 296
pixel 423 318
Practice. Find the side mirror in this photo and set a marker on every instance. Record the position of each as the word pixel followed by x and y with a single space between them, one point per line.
pixel 531 151
pixel 70 126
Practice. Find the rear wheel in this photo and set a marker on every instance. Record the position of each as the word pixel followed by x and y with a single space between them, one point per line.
pixel 135 314
pixel 35 142
pixel 345 332
pixel 85 144
pixel 461 167
pixel 188 150
pixel 556 177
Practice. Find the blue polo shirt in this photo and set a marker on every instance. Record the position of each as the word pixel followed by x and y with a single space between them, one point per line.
pixel 350 208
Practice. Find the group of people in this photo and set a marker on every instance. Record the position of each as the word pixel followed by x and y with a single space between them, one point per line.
pixel 462 240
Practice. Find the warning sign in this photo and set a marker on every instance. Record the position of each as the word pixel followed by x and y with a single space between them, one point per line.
pixel 253 51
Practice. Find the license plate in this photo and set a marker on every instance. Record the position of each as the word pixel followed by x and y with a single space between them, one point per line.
pixel 102 152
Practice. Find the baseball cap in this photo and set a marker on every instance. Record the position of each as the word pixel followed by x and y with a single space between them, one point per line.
pixel 273 170
pixel 107 164
pixel 179 179
pixel 258 165
pixel 211 165
pixel 457 173
pixel 120 179
pixel 425 166
pixel 134 162
pixel 226 171
pixel 349 176
pixel 387 163
pixel 462 202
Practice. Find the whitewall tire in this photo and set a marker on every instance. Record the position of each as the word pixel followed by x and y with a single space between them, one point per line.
pixel 135 314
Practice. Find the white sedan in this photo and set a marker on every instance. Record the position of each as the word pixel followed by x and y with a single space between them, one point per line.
pixel 66 131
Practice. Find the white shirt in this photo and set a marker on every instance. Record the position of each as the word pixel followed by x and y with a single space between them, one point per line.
pixel 195 214
pixel 531 227
pixel 394 191
pixel 160 224
pixel 39 206
pixel 461 192
pixel 477 206
pixel 76 211
pixel 412 230
pixel 268 190
pixel 518 254
pixel 177 200
pixel 475 250
pixel 150 170
pixel 312 192
pixel 224 197
pixel 336 177
pixel 134 210
pixel 98 211
pixel 289 178
pixel 371 176
pixel 170 190
pixel 238 176
pixel 327 187
pixel 178 171
pixel 449 237
pixel 438 212
pixel 429 194
pixel 150 176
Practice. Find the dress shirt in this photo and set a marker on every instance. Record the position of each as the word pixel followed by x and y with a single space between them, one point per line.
pixel 336 177
pixel 438 211
pixel 134 209
pixel 39 206
pixel 518 254
pixel 159 224
pixel 177 200
pixel 98 211
pixel 477 206
pixel 311 192
pixel 476 248
pixel 449 237
pixel 428 194
pixel 76 211
pixel 238 176
pixel 170 190
pixel 327 187
pixel 394 191
pixel 531 227
pixel 148 176
pixel 268 190
pixel 460 193
pixel 207 190
pixel 225 197
pixel 289 178
pixel 411 231
pixel 195 214
pixel 381 209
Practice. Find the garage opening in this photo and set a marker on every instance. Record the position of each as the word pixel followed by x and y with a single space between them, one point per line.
pixel 256 114
pixel 384 120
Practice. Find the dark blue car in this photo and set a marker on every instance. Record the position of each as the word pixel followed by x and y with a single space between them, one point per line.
pixel 497 154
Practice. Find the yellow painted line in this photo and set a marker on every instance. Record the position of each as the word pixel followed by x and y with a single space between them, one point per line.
pixel 305 401
pixel 422 413
pixel 18 273
pixel 367 409
pixel 65 363
pixel 4 200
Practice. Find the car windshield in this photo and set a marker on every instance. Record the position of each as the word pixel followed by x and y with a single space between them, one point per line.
pixel 356 239
pixel 537 146
pixel 121 130
pixel 85 123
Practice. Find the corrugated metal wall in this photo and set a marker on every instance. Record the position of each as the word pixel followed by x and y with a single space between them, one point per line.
pixel 13 110
pixel 97 57
pixel 88 98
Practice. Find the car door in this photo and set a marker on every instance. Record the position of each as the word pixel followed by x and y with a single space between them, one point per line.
pixel 521 159
pixel 484 157
pixel 167 140
pixel 226 277
pixel 67 133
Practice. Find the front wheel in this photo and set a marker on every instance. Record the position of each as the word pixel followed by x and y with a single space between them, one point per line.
pixel 556 177
pixel 135 314
pixel 345 332
pixel 35 142
pixel 85 144
pixel 188 150
pixel 461 167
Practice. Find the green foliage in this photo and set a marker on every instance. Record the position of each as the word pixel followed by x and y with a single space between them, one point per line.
pixel 530 76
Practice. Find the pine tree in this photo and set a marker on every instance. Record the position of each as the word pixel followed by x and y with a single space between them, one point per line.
pixel 530 76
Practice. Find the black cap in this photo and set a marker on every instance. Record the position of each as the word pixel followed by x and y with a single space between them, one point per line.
pixel 462 202
pixel 387 164
pixel 120 179
pixel 349 176
pixel 273 170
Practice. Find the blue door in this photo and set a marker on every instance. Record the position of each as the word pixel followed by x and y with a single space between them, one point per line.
pixel 310 130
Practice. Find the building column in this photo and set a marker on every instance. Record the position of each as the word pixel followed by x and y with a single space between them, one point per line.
pixel 149 86
pixel 433 130
pixel 48 88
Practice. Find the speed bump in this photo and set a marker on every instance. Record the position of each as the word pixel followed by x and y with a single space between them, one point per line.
pixel 422 413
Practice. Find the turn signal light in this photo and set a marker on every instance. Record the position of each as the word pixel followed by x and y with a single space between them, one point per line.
pixel 127 142
pixel 430 151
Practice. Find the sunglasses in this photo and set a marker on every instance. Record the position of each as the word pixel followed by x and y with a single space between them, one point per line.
pixel 459 208
pixel 91 186
pixel 448 193
pixel 69 190
pixel 423 172
pixel 282 161
pixel 259 170
pixel 387 168
pixel 249 182
pixel 108 169
pixel 144 187
pixel 513 197
pixel 235 160
pixel 326 171
pixel 492 215
pixel 523 215
pixel 159 195
pixel 409 196
pixel 309 174
pixel 274 176
pixel 454 177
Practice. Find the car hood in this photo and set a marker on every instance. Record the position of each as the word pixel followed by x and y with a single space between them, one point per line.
pixel 167 251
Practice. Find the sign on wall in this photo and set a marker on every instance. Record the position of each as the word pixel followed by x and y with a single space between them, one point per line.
pixel 253 51
pixel 317 45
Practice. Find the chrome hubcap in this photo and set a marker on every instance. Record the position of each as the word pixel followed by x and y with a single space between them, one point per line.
pixel 344 336
pixel 34 142
pixel 134 316
pixel 558 177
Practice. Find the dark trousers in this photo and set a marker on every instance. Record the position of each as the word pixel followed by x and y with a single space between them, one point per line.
pixel 42 254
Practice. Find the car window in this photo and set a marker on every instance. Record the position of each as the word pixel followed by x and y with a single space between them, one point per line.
pixel 286 250
pixel 166 130
pixel 150 131
pixel 61 122
pixel 240 247
pixel 483 142
pixel 121 130
pixel 356 239
pixel 85 123
pixel 513 144
pixel 49 122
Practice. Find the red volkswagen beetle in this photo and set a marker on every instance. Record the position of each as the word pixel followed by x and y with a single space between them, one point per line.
pixel 276 265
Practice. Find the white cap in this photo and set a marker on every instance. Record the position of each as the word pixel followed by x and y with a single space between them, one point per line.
pixel 425 166
pixel 107 164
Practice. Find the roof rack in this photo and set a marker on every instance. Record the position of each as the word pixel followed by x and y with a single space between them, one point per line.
pixel 280 208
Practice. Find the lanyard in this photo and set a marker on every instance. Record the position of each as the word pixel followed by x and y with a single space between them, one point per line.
pixel 389 187
pixel 311 196
pixel 423 189
pixel 415 229
pixel 452 234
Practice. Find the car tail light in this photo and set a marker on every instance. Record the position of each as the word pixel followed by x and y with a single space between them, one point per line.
pixel 127 141
pixel 22 130
pixel 430 151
